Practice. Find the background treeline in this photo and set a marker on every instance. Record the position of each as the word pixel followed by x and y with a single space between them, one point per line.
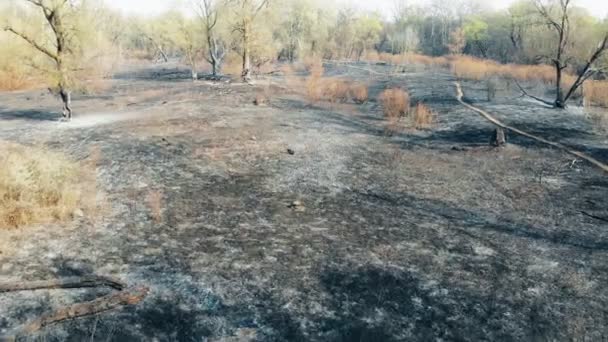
pixel 242 36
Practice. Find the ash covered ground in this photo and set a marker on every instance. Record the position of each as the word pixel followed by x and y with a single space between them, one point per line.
pixel 415 236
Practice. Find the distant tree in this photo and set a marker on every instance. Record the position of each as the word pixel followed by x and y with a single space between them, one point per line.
pixel 187 37
pixel 64 49
pixel 557 15
pixel 476 34
pixel 457 41
pixel 367 32
pixel 297 26
pixel 247 12
pixel 208 11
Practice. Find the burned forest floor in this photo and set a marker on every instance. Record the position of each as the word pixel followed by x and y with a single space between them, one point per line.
pixel 300 221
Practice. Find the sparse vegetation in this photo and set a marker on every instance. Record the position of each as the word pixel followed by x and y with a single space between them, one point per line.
pixel 40 186
pixel 596 93
pixel 422 116
pixel 359 93
pixel 356 186
pixel 335 90
pixel 395 103
pixel 155 205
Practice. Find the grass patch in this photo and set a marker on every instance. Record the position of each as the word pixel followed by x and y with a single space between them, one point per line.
pixel 596 93
pixel 40 186
pixel 395 105
pixel 422 116
pixel 359 93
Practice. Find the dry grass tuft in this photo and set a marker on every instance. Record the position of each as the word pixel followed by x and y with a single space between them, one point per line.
pixel 422 116
pixel 596 93
pixel 262 97
pixel 335 90
pixel 155 205
pixel 359 93
pixel 232 66
pixel 40 186
pixel 13 80
pixel 395 103
pixel 314 82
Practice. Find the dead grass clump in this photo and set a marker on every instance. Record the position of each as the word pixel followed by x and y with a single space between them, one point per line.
pixel 262 97
pixel 232 65
pixel 422 116
pixel 336 90
pixel 39 186
pixel 359 93
pixel 314 65
pixel 155 205
pixel 395 103
pixel 13 81
pixel 314 83
pixel 596 93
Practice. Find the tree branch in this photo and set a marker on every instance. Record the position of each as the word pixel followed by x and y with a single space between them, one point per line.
pixel 525 93
pixel 33 43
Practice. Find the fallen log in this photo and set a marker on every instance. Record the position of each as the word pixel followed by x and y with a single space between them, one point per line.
pixel 107 303
pixel 487 116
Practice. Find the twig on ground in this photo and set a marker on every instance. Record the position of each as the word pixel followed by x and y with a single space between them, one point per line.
pixel 605 219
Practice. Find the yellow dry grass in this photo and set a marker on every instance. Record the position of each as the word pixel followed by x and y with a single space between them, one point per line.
pixel 335 90
pixel 422 116
pixel 359 93
pixel 314 82
pixel 596 93
pixel 395 103
pixel 12 80
pixel 468 67
pixel 40 186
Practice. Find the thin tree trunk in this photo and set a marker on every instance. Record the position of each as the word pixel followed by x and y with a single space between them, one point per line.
pixel 246 74
pixel 559 95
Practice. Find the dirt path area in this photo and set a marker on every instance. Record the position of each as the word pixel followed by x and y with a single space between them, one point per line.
pixel 422 235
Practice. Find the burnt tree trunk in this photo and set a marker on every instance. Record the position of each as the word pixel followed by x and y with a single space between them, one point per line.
pixel 499 138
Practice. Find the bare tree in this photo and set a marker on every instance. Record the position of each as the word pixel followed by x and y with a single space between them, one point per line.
pixel 558 20
pixel 208 12
pixel 247 11
pixel 54 13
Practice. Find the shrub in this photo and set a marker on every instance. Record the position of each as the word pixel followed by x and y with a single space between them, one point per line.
pixel 422 116
pixel 336 90
pixel 395 103
pixel 359 93
pixel 13 80
pixel 39 186
pixel 314 82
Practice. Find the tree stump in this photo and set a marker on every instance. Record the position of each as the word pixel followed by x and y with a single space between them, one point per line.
pixel 499 138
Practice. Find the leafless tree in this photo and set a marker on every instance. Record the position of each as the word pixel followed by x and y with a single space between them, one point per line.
pixel 558 20
pixel 247 11
pixel 53 11
pixel 209 12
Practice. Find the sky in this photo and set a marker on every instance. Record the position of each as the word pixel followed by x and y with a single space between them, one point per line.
pixel 596 7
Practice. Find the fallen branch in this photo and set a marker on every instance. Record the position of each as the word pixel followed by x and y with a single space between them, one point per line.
pixel 594 216
pixel 65 283
pixel 525 93
pixel 94 307
pixel 487 116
